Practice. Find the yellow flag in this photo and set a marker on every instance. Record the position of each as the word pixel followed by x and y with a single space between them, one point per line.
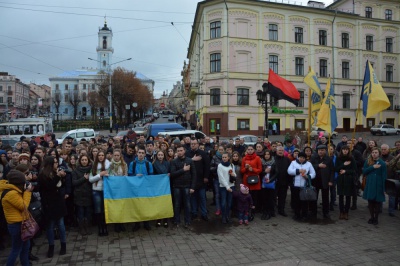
pixel 327 116
pixel 316 96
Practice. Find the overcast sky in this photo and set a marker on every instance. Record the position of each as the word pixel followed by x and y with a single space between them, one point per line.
pixel 43 38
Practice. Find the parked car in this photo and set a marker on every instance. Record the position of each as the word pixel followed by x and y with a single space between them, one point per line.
pixel 248 139
pixel 121 135
pixel 384 129
pixel 171 117
pixel 78 134
pixel 153 129
pixel 182 133
pixel 139 130
pixel 316 131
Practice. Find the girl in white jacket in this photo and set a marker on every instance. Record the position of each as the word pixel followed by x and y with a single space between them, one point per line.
pixel 302 171
pixel 225 171
pixel 99 171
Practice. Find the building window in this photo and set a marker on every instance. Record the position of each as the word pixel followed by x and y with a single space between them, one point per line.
pixel 215 29
pixel 66 87
pixel 323 37
pixel 84 86
pixel 273 63
pixel 84 97
pixel 345 40
pixel 299 66
pixel 389 45
pixel 368 12
pixel 104 63
pixel 345 70
pixel 323 68
pixel 391 101
pixel 243 97
pixel 215 96
pixel 298 35
pixel 215 62
pixel 76 87
pixel 370 43
pixel 346 101
pixel 273 32
pixel 243 124
pixel 66 111
pixel 9 100
pixel 389 73
pixel 1 88
pixel 388 14
pixel 66 98
pixel 301 102
pixel 1 99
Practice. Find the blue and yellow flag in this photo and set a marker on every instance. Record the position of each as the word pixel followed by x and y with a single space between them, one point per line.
pixel 327 117
pixel 137 198
pixel 373 96
pixel 316 95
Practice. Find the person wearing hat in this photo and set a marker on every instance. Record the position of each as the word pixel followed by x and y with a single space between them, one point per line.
pixel 325 173
pixel 302 170
pixel 15 197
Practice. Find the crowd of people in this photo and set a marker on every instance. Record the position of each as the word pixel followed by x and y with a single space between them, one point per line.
pixel 67 179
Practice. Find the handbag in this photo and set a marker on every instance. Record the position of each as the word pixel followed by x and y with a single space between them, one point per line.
pixel 308 192
pixel 253 179
pixel 35 208
pixel 29 227
pixel 363 182
pixel 270 185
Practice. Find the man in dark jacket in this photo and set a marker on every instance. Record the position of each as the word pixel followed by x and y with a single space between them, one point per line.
pixel 361 146
pixel 360 164
pixel 202 167
pixel 324 178
pixel 283 179
pixel 183 178
pixel 129 155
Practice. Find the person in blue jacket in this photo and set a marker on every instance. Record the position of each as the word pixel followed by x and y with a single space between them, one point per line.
pixel 140 166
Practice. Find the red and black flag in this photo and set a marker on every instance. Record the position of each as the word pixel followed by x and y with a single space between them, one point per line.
pixel 280 88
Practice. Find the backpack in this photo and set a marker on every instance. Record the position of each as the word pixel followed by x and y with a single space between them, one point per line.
pixel 147 166
pixel 3 221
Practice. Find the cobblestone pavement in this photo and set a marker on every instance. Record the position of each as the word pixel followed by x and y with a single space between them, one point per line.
pixel 278 241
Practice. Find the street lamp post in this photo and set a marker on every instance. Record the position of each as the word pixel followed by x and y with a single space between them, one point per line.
pixel 110 88
pixel 262 99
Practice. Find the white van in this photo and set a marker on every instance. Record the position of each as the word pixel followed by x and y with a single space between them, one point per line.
pixel 182 133
pixel 78 134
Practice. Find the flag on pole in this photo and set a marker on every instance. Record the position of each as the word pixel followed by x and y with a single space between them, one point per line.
pixel 316 96
pixel 373 96
pixel 137 198
pixel 281 88
pixel 327 117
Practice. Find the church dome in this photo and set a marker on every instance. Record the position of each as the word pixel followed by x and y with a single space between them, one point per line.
pixel 105 27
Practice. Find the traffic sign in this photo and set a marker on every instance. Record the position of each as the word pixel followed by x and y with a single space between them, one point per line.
pixel 162 105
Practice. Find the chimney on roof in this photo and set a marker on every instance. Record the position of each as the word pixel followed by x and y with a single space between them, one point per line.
pixel 316 4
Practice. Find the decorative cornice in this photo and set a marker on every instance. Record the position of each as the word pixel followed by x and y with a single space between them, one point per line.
pixel 300 49
pixel 242 14
pixel 391 29
pixel 214 44
pixel 299 19
pixel 371 56
pixel 323 51
pixel 324 22
pixel 216 14
pixel 346 54
pixel 243 43
pixel 274 16
pixel 370 27
pixel 273 46
pixel 345 25
pixel 389 58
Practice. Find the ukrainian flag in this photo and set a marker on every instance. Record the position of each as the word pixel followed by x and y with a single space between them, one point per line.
pixel 137 198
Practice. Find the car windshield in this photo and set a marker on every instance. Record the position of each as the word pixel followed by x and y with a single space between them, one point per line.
pixel 138 129
pixel 122 133
pixel 65 135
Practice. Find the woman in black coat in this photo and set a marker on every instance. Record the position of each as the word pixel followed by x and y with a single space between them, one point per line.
pixel 53 202
pixel 82 193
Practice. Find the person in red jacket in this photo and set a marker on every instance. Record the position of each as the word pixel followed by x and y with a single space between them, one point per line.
pixel 252 166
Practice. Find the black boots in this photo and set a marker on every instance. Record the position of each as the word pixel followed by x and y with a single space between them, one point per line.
pixel 50 252
pixel 63 249
pixel 101 224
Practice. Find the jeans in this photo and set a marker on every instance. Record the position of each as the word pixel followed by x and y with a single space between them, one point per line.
pixel 392 204
pixel 17 247
pixel 61 229
pixel 226 201
pixel 199 197
pixel 98 201
pixel 181 195
pixel 344 207
pixel 83 212
pixel 217 194
pixel 243 216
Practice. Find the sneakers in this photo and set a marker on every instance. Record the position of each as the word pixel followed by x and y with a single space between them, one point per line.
pixel 246 222
pixel 240 222
pixel 218 212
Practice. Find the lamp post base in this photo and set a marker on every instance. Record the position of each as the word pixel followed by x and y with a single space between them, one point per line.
pixel 111 129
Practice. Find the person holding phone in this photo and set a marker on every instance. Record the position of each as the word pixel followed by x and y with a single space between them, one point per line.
pixel 376 172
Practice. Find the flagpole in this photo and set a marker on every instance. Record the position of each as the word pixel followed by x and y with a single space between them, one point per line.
pixel 355 124
pixel 309 117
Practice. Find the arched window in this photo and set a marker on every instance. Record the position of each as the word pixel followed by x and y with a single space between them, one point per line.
pixel 104 42
pixel 104 63
pixel 84 96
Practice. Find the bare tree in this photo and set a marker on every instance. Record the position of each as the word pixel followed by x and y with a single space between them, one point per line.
pixel 75 99
pixel 95 101
pixel 57 101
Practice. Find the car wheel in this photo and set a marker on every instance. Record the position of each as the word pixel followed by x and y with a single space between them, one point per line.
pixel 397 132
pixel 384 133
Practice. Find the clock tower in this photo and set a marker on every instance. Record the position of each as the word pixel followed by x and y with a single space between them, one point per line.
pixel 104 48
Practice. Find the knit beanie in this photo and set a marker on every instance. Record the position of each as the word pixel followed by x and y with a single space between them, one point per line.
pixel 23 156
pixel 244 189
pixel 16 177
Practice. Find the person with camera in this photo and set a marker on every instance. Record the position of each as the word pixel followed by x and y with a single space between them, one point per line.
pixel 51 180
pixel 226 177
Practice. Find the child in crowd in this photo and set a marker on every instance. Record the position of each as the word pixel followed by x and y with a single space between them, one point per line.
pixel 244 203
